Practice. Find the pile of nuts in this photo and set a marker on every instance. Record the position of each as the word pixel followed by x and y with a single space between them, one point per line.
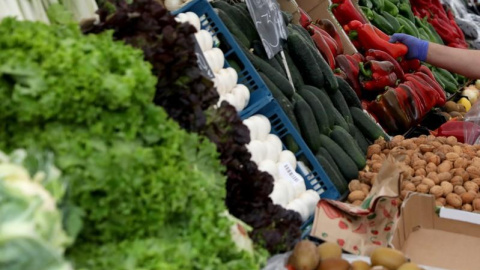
pixel 440 166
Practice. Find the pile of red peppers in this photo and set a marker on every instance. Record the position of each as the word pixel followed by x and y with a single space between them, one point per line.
pixel 397 92
pixel 443 21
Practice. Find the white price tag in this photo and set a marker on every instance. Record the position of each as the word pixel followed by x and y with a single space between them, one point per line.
pixel 286 171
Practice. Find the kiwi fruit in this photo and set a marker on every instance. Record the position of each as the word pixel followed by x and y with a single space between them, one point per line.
pixel 451 106
pixel 409 266
pixel 461 108
pixel 446 115
pixel 334 264
pixel 387 257
pixel 360 265
pixel 304 256
pixel 458 115
pixel 329 250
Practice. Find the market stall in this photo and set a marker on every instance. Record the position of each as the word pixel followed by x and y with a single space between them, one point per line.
pixel 216 134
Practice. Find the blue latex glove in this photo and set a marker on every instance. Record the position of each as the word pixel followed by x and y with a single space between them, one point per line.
pixel 417 48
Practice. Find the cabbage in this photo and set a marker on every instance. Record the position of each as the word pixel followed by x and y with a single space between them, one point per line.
pixel 31 233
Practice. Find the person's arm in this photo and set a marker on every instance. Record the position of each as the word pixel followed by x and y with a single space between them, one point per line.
pixel 462 61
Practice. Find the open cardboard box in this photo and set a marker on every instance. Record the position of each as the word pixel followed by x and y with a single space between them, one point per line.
pixel 319 9
pixel 448 241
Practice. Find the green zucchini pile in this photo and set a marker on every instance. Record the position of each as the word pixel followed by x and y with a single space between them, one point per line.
pixel 323 108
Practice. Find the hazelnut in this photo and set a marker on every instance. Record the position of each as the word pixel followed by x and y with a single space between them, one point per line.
pixel 454 200
pixel 467 207
pixel 467 197
pixel 471 186
pixel 423 188
pixel 436 191
pixel 447 188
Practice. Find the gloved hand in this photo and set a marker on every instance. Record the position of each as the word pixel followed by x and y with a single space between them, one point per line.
pixel 417 48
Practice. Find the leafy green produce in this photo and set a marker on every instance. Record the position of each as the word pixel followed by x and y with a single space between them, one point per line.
pixel 31 233
pixel 135 178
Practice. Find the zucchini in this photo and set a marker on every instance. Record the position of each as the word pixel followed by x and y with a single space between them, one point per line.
pixel 326 102
pixel 348 93
pixel 345 164
pixel 294 72
pixel 349 145
pixel 233 28
pixel 337 179
pixel 304 59
pixel 318 110
pixel 323 152
pixel 361 141
pixel 308 125
pixel 339 102
pixel 366 125
pixel 282 100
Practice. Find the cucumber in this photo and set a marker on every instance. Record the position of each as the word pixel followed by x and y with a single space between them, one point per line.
pixel 366 125
pixel 345 164
pixel 304 59
pixel 308 125
pixel 337 180
pixel 281 82
pixel 326 102
pixel 339 119
pixel 290 143
pixel 361 141
pixel 294 72
pixel 339 102
pixel 259 51
pixel 348 93
pixel 246 22
pixel 323 152
pixel 318 110
pixel 349 145
pixel 282 100
pixel 233 28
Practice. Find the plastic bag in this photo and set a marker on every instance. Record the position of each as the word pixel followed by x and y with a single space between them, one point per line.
pixel 472 129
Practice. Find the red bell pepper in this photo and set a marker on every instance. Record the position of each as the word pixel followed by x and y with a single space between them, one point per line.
pixel 428 94
pixel 393 103
pixel 465 132
pixel 441 97
pixel 381 109
pixel 332 44
pixel 344 11
pixel 417 97
pixel 359 57
pixel 328 26
pixel 369 39
pixel 376 75
pixel 383 56
pixel 352 72
pixel 305 19
pixel 407 101
pixel 322 45
pixel 427 71
pixel 411 65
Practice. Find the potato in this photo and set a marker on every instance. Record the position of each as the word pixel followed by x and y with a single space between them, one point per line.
pixel 354 185
pixel 457 181
pixel 356 195
pixel 467 207
pixel 471 186
pixel 459 190
pixel 447 187
pixel 359 265
pixel 454 200
pixel 329 250
pixel 444 176
pixel 409 266
pixel 436 191
pixel 304 256
pixel 445 166
pixel 423 188
pixel 476 204
pixel 434 177
pixel 467 197
pixel 387 257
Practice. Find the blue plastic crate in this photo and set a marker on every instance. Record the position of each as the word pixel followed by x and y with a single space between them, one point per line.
pixel 316 179
pixel 209 20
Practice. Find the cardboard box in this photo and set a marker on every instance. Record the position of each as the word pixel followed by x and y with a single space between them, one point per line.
pixel 319 9
pixel 447 242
